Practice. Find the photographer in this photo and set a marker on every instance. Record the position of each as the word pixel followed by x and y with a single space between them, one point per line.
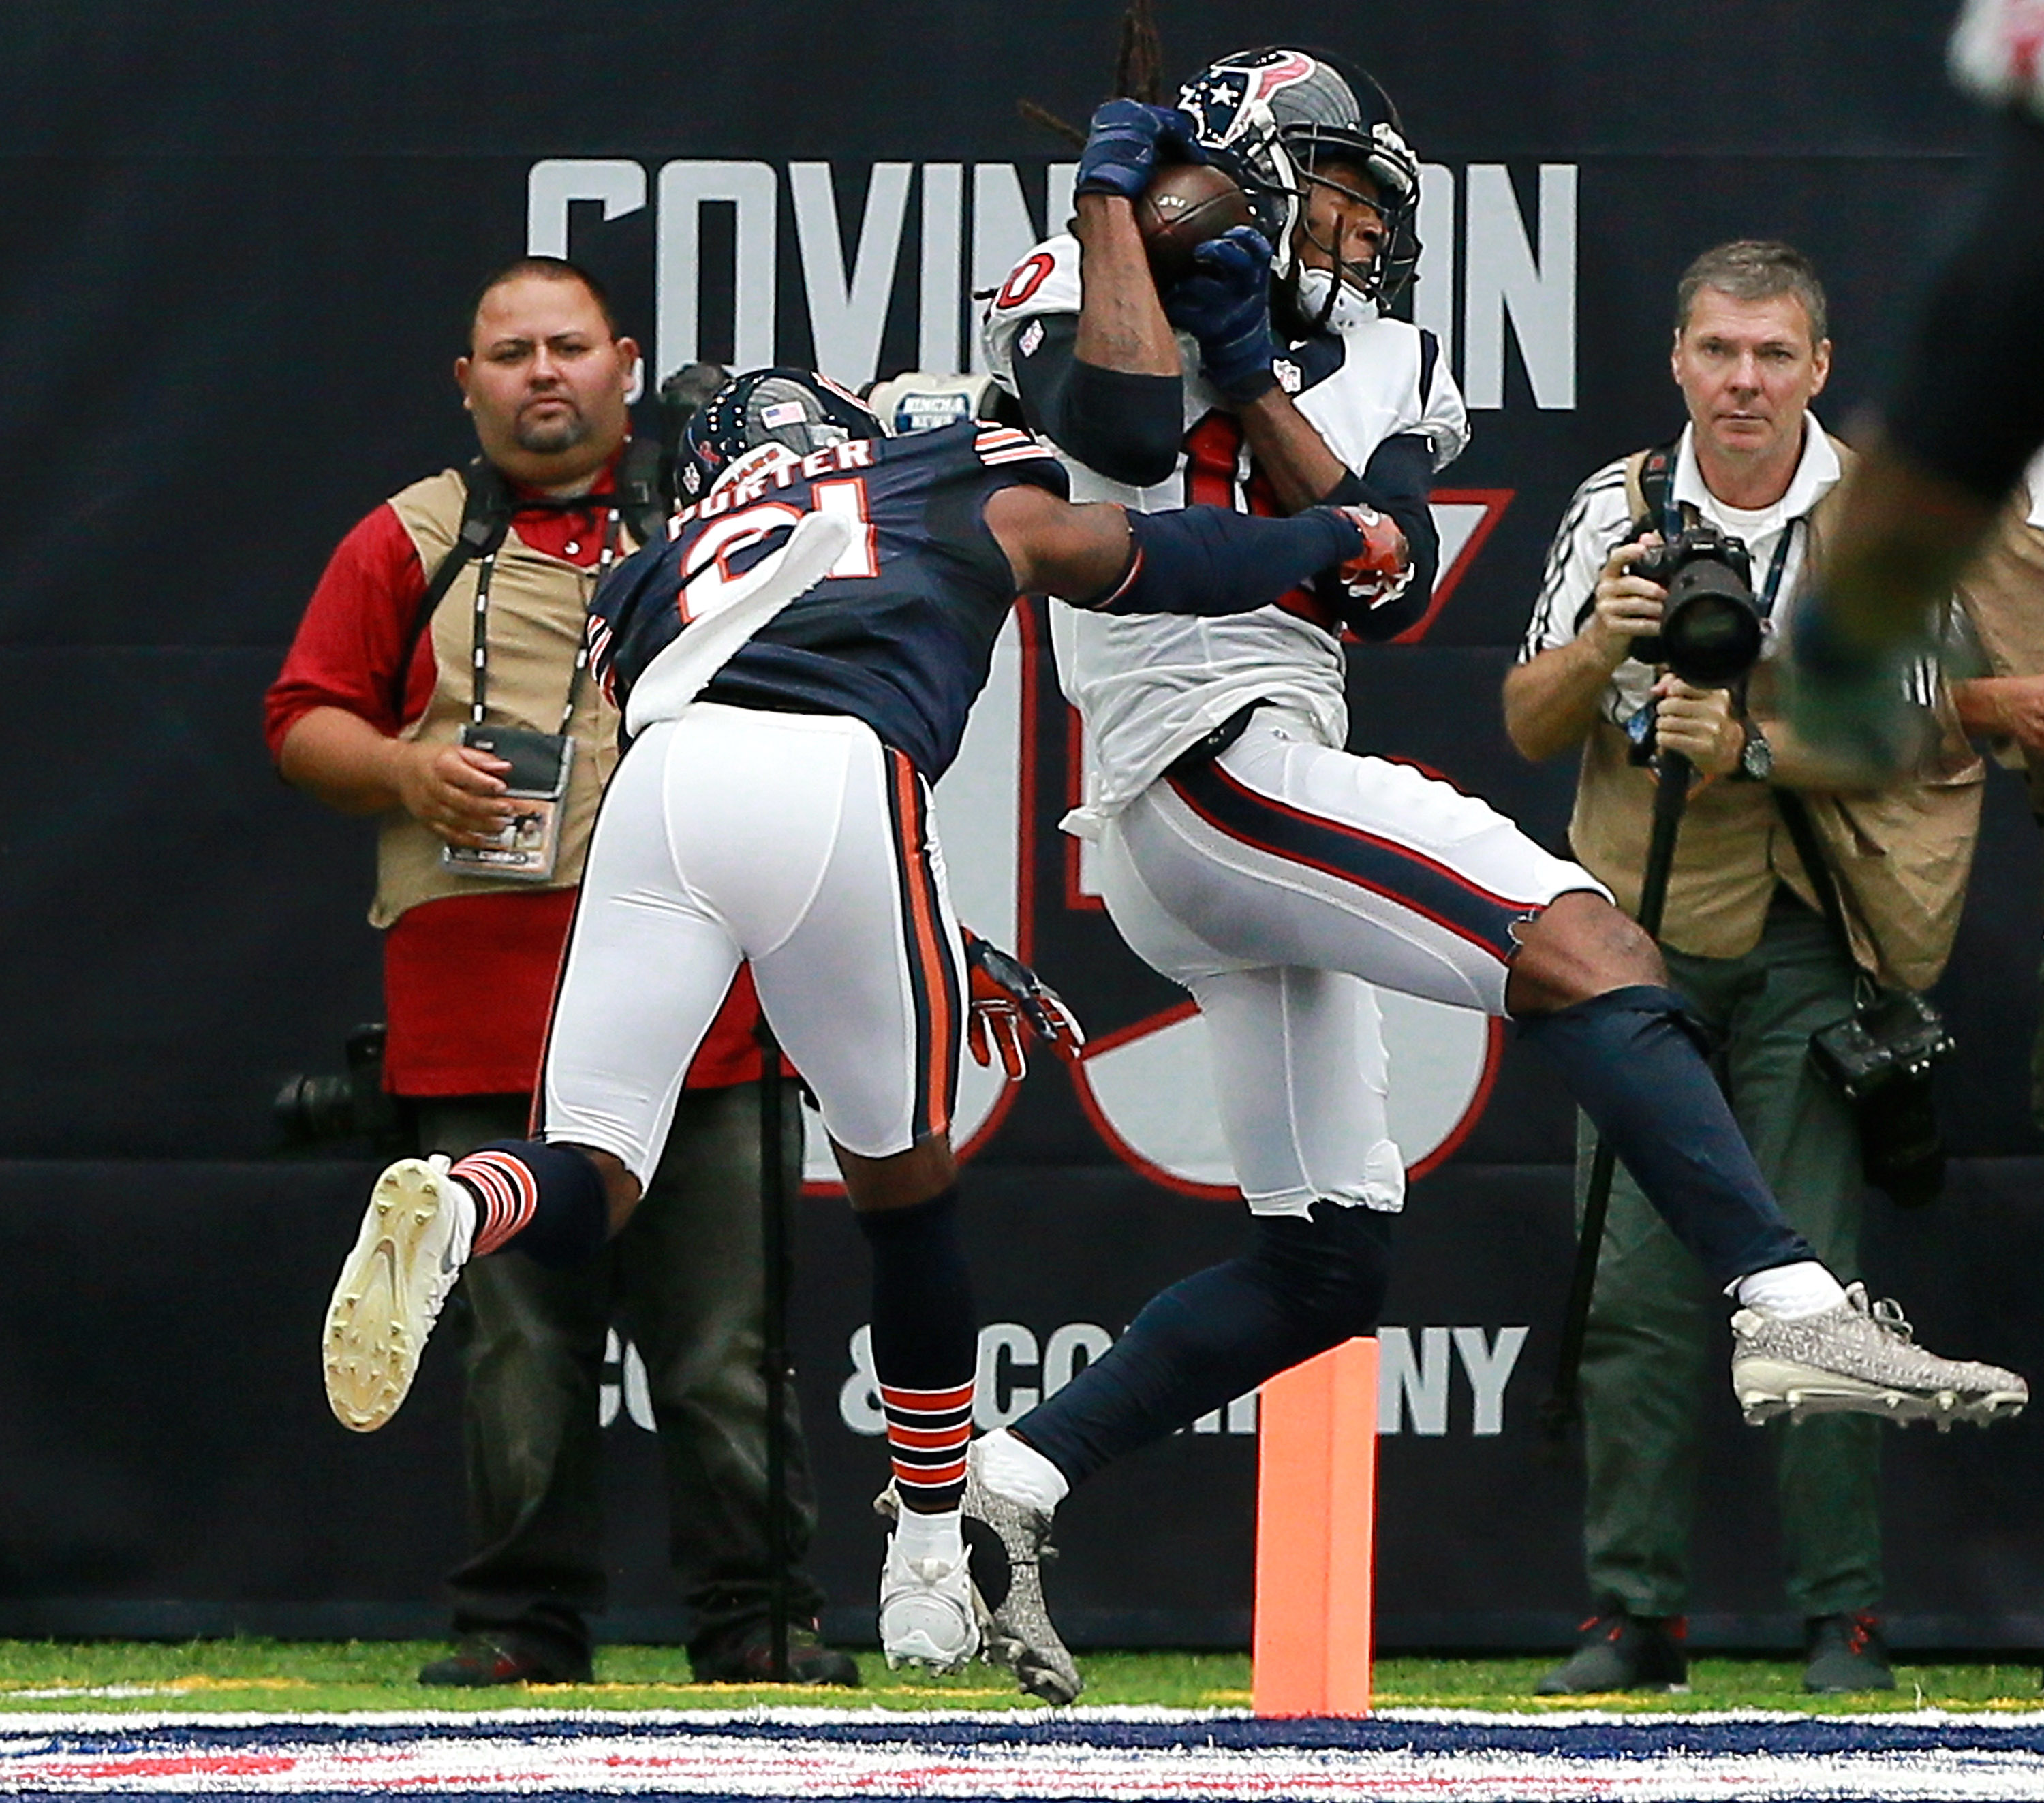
pixel 1746 939
pixel 2003 595
pixel 378 710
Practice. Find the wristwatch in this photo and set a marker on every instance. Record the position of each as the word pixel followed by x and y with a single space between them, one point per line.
pixel 1756 756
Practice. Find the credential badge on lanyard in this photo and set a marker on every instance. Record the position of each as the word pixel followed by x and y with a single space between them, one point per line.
pixel 527 847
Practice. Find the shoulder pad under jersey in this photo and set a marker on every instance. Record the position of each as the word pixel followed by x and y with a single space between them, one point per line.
pixel 1046 281
pixel 1392 380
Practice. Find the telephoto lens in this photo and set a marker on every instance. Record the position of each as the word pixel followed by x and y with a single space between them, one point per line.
pixel 1710 633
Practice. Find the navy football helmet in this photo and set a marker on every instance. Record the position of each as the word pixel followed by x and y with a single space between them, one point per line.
pixel 796 409
pixel 1271 117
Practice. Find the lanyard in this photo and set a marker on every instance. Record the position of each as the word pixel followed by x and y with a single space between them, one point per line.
pixel 1764 602
pixel 478 704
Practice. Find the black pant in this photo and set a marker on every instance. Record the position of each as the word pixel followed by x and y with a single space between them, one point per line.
pixel 683 1284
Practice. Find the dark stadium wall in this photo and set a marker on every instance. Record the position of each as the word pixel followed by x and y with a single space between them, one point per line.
pixel 240 249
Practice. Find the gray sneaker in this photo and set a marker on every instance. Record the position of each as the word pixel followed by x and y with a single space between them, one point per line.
pixel 1016 1630
pixel 1021 1636
pixel 1857 1357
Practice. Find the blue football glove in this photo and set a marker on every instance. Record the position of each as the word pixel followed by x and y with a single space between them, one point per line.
pixel 1853 704
pixel 1225 303
pixel 1128 141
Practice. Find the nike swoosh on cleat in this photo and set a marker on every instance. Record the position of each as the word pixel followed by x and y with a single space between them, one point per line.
pixel 388 1253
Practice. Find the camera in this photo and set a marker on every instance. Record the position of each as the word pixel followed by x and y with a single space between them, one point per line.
pixel 1881 1059
pixel 317 1111
pixel 1710 628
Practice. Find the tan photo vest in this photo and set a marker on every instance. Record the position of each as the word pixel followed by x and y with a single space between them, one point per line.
pixel 2002 592
pixel 539 607
pixel 1900 855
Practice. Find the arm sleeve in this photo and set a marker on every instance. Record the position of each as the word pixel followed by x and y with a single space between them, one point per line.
pixel 346 651
pixel 1970 404
pixel 1129 428
pixel 1210 560
pixel 1396 482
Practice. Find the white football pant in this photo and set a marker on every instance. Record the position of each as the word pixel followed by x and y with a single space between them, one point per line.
pixel 798 841
pixel 1276 884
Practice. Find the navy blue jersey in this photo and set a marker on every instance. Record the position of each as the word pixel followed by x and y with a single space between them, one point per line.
pixel 900 635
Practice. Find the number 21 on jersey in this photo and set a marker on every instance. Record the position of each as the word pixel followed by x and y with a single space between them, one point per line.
pixel 708 572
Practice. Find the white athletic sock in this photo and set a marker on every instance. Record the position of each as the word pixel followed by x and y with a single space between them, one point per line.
pixel 1015 1469
pixel 1790 1292
pixel 939 1536
pixel 466 1213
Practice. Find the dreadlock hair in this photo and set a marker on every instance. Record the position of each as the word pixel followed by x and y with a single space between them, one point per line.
pixel 1139 72
pixel 1138 67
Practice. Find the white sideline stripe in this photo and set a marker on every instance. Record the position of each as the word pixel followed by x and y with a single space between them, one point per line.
pixel 745 1767
pixel 745 1764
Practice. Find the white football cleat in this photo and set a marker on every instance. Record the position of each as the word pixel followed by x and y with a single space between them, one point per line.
pixel 413 1242
pixel 929 1612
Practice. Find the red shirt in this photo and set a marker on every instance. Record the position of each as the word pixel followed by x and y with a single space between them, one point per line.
pixel 468 981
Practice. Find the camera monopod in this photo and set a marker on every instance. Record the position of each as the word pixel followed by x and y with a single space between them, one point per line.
pixel 1562 1407
pixel 774 1362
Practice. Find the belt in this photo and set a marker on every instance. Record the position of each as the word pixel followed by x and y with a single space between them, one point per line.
pixel 1203 751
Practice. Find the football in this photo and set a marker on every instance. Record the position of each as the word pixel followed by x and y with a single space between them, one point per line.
pixel 1186 205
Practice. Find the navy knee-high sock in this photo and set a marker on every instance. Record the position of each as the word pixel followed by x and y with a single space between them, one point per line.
pixel 925 1346
pixel 1633 1060
pixel 1302 1287
pixel 548 1201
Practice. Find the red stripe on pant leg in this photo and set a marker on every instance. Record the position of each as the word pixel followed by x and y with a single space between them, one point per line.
pixel 929 965
pixel 1336 847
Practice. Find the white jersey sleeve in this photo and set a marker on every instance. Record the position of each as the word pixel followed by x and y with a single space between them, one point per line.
pixel 1392 380
pixel 1997 53
pixel 1044 283
pixel 1444 415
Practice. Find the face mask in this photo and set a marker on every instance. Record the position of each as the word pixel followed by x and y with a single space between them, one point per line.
pixel 1350 307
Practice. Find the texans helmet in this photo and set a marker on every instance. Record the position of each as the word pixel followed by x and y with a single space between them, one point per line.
pixel 1271 116
pixel 797 410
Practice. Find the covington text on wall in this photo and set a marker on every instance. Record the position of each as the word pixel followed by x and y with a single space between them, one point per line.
pixel 1497 275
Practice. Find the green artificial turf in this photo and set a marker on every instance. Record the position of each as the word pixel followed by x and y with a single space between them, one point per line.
pixel 281 1677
